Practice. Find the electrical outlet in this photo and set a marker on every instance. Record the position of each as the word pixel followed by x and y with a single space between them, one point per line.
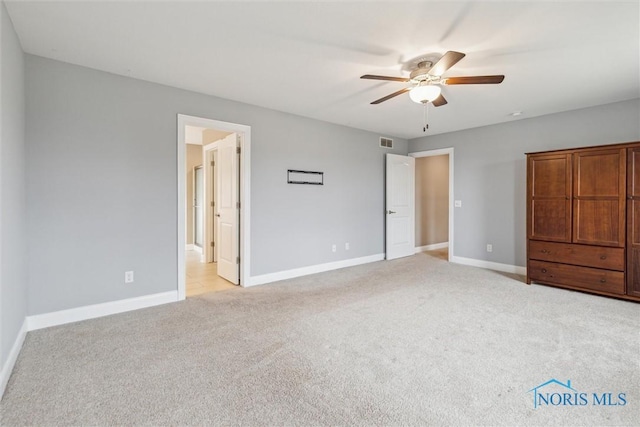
pixel 346 246
pixel 334 248
pixel 128 277
pixel 457 203
pixel 489 247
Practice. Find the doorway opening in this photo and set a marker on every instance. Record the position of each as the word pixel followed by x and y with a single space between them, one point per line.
pixel 434 202
pixel 213 205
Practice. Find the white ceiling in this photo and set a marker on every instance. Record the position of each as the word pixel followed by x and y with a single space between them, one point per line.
pixel 306 57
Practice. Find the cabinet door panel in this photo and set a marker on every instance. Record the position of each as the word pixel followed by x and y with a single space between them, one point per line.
pixel 633 222
pixel 598 222
pixel 598 173
pixel 599 197
pixel 633 250
pixel 550 176
pixel 550 220
pixel 549 188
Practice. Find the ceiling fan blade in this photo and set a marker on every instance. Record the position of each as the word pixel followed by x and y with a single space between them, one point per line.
pixel 393 79
pixel 400 92
pixel 447 61
pixel 473 80
pixel 439 101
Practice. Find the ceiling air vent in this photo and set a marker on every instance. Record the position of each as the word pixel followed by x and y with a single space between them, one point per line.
pixel 386 142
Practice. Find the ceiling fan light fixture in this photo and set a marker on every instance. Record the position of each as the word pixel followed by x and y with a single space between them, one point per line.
pixel 424 93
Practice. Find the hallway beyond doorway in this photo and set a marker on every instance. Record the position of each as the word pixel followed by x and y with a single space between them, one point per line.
pixel 203 277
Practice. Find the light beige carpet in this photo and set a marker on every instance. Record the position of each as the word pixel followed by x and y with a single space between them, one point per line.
pixel 414 341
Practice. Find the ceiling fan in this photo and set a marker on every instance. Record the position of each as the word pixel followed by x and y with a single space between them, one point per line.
pixel 426 79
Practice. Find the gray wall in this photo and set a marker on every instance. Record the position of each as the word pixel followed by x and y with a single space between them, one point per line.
pixel 13 229
pixel 490 171
pixel 102 185
pixel 432 200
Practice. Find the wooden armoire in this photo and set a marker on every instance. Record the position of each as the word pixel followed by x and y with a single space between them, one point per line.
pixel 583 219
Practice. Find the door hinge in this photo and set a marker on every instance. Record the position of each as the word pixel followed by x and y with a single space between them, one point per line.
pixel 238 205
pixel 213 244
pixel 213 163
pixel 213 204
pixel 237 260
pixel 238 150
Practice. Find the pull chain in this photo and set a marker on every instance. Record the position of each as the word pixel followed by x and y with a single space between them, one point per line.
pixel 426 117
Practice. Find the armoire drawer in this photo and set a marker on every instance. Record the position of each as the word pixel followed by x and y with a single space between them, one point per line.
pixel 580 277
pixel 567 253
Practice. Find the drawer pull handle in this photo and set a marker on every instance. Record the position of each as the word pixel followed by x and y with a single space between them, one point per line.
pixel 544 251
pixel 603 280
pixel 603 257
pixel 544 270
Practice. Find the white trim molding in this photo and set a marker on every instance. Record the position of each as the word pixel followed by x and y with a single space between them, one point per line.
pixel 312 269
pixel 7 368
pixel 432 247
pixel 506 268
pixel 93 311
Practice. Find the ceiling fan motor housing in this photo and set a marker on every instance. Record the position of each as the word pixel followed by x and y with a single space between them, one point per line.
pixel 421 74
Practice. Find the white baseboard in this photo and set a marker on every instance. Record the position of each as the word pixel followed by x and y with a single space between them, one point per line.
pixel 55 318
pixel 192 247
pixel 312 269
pixel 7 368
pixel 432 247
pixel 507 268
pixel 39 321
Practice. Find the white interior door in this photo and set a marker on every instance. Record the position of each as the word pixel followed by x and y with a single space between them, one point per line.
pixel 400 209
pixel 210 153
pixel 227 209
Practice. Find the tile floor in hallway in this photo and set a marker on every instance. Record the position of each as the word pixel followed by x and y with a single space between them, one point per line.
pixel 203 277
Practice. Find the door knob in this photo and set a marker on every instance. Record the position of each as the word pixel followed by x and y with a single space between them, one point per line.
pixel 391 212
pixel 218 215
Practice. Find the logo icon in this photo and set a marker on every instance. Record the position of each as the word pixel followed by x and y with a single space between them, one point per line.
pixel 546 398
pixel 557 393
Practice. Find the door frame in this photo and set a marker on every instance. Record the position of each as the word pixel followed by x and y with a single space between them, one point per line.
pixel 441 152
pixel 245 193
